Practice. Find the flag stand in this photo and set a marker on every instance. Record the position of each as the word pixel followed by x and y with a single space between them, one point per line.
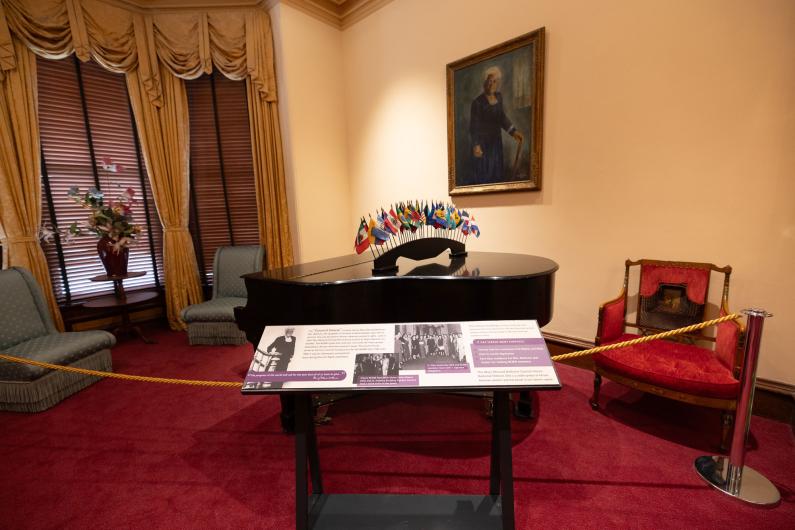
pixel 417 249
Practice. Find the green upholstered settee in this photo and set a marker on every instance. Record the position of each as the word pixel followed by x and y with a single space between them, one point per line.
pixel 213 321
pixel 27 331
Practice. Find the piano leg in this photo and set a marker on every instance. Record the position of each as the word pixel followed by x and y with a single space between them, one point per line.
pixel 287 415
pixel 524 406
pixel 523 410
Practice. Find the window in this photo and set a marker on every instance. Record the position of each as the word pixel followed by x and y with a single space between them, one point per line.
pixel 85 116
pixel 223 202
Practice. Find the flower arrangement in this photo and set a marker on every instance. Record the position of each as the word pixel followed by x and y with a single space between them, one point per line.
pixel 111 219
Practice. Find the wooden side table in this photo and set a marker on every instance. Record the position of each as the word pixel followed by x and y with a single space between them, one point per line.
pixel 122 301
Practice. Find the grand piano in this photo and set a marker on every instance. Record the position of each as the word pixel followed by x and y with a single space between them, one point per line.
pixel 346 290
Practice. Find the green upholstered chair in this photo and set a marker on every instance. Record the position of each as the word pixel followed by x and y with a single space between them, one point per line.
pixel 27 331
pixel 213 321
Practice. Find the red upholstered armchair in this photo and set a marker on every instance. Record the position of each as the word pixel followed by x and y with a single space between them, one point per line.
pixel 672 295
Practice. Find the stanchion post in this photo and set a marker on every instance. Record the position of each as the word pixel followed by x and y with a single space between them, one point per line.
pixel 731 475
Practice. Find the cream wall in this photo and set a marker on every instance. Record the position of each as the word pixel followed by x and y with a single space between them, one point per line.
pixel 668 133
pixel 644 101
pixel 310 83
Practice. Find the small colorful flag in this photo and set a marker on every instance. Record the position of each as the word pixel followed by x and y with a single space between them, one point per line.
pixel 378 233
pixel 388 224
pixel 456 217
pixel 362 238
pixel 474 228
pixel 370 234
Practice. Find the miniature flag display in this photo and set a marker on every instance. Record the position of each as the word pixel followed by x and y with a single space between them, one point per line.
pixel 407 221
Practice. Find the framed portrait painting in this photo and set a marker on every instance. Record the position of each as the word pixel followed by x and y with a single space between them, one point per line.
pixel 495 102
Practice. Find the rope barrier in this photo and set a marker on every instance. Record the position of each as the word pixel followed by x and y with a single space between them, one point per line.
pixel 233 384
pixel 127 377
pixel 647 338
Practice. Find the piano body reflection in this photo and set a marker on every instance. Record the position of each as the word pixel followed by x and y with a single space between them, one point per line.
pixel 343 290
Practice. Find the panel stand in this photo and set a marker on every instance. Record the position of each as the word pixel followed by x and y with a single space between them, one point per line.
pixel 320 511
pixel 730 474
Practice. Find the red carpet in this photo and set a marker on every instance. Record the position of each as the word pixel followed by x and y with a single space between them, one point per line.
pixel 132 455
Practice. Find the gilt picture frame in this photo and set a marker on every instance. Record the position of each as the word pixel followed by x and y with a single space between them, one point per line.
pixel 495 109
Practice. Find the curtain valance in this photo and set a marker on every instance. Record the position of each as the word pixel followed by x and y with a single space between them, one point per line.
pixel 237 42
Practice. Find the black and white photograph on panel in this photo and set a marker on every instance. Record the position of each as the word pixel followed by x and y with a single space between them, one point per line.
pixel 275 357
pixel 419 345
pixel 375 365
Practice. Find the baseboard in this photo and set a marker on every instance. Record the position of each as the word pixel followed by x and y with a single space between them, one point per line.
pixel 563 340
pixel 776 386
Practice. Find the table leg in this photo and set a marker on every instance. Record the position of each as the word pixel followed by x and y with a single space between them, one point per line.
pixel 136 330
pixel 302 421
pixel 118 290
pixel 502 417
pixel 128 329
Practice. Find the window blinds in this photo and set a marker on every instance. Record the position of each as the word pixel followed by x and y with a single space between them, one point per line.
pixel 223 203
pixel 84 117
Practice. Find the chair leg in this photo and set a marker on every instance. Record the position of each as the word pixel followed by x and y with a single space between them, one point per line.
pixel 727 422
pixel 597 383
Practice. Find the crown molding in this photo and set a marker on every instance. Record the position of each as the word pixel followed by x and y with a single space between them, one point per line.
pixel 338 13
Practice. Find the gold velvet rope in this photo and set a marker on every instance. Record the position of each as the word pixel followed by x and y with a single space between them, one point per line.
pixel 127 377
pixel 647 338
pixel 233 384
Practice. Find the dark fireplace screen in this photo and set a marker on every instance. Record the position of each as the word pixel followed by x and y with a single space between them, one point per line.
pixel 669 308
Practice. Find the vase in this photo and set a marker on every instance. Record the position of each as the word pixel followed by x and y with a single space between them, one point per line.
pixel 114 261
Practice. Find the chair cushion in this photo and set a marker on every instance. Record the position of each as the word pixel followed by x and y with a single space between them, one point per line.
pixel 671 365
pixel 19 313
pixel 55 348
pixel 215 310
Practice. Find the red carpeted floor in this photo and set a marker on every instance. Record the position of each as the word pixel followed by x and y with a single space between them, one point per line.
pixel 133 455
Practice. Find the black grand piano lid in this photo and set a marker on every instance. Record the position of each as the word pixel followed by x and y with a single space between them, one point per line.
pixel 481 286
pixel 356 268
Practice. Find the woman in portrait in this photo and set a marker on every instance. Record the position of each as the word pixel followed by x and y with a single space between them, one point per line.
pixel 487 120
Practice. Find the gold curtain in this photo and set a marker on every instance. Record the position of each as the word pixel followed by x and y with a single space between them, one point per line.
pixel 189 44
pixel 164 139
pixel 266 146
pixel 266 142
pixel 20 180
pixel 151 48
